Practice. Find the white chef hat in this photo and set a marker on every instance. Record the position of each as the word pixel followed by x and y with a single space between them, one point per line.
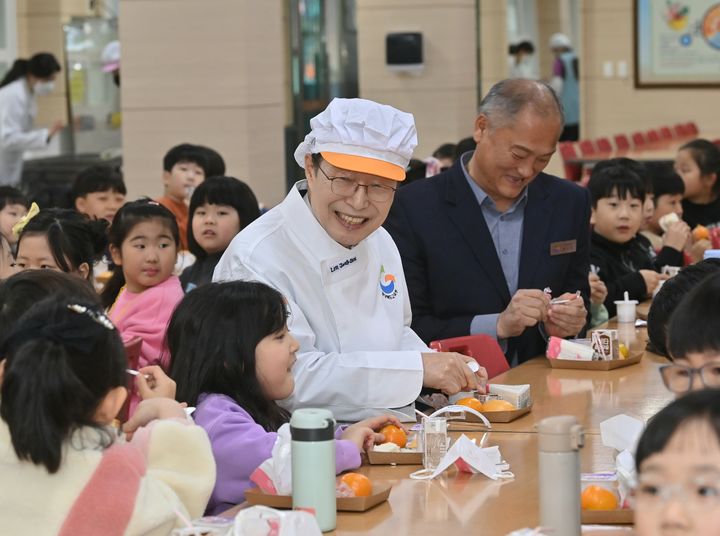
pixel 111 57
pixel 560 40
pixel 362 135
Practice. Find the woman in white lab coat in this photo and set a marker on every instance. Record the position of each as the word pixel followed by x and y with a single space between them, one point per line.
pixel 324 248
pixel 21 85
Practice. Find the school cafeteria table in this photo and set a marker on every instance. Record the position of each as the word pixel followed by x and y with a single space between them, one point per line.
pixel 591 396
pixel 460 503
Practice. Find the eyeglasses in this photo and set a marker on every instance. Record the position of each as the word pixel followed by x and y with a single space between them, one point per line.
pixel 347 187
pixel 700 494
pixel 679 378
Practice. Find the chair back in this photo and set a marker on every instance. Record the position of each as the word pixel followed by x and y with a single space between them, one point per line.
pixel 483 348
pixel 666 134
pixel 587 148
pixel 603 145
pixel 573 172
pixel 653 136
pixel 639 140
pixel 622 142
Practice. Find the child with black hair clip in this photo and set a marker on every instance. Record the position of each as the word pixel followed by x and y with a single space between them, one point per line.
pixel 60 239
pixel 98 192
pixel 219 209
pixel 232 358
pixel 693 340
pixel 678 469
pixel 64 382
pixel 624 259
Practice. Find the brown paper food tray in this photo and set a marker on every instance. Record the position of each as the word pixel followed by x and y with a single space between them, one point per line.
pixel 607 517
pixel 345 504
pixel 634 358
pixel 396 458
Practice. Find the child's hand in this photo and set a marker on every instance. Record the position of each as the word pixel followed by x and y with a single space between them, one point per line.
pixel 677 235
pixel 150 410
pixel 697 250
pixel 364 433
pixel 598 290
pixel 652 279
pixel 157 385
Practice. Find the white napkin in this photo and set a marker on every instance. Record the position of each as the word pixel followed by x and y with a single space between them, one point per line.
pixel 275 474
pixel 622 433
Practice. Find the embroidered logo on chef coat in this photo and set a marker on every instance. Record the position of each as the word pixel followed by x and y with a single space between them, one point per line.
pixel 387 284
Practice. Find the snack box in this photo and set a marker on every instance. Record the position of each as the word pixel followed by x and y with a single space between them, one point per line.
pixel 624 516
pixel 381 492
pixel 414 457
pixel 611 364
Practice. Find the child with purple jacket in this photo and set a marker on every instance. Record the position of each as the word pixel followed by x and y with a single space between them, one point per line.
pixel 232 358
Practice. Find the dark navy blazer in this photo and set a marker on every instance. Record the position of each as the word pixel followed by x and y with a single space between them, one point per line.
pixel 452 268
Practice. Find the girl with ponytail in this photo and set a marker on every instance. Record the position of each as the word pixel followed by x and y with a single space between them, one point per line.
pixel 18 89
pixel 63 383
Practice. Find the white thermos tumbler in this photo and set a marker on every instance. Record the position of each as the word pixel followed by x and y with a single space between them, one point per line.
pixel 559 442
pixel 313 464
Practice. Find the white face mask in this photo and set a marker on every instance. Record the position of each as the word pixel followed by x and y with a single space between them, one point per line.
pixel 43 88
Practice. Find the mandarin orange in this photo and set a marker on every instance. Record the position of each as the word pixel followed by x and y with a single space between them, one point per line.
pixel 470 402
pixel 598 498
pixel 360 484
pixel 700 233
pixel 498 405
pixel 394 434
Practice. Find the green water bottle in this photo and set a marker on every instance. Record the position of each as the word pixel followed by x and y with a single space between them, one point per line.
pixel 313 464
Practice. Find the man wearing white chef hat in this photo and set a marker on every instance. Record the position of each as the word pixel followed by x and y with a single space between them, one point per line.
pixel 341 273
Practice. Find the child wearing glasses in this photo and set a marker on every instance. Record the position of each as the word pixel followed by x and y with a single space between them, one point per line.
pixel 678 466
pixel 694 340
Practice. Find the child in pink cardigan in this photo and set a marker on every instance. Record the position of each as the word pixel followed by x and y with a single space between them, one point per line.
pixel 64 469
pixel 142 292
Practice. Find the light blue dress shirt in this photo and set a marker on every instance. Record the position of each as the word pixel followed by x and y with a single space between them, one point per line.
pixel 506 229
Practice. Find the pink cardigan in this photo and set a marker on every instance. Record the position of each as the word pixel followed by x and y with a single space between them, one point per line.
pixel 146 315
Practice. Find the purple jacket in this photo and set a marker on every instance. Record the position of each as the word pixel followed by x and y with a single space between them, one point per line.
pixel 240 445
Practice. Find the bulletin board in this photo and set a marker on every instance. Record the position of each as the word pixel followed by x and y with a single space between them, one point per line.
pixel 677 43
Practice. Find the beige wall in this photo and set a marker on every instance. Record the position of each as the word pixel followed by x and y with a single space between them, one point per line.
pixel 40 29
pixel 443 97
pixel 613 105
pixel 209 72
pixel 493 44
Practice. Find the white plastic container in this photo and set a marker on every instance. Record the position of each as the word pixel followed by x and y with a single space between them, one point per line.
pixel 626 309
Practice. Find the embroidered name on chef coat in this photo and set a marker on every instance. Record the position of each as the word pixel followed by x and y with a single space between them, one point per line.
pixel 342 264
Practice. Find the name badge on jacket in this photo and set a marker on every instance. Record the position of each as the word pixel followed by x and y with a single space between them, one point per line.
pixel 562 248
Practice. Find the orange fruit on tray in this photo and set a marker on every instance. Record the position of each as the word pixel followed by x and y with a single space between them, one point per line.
pixel 598 498
pixel 360 484
pixel 700 233
pixel 394 434
pixel 498 405
pixel 470 402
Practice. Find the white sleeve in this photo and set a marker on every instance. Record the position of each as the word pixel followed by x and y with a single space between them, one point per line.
pixel 12 136
pixel 179 479
pixel 353 385
pixel 556 82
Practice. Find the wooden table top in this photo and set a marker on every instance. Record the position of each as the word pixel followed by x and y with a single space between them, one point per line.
pixel 591 396
pixel 460 503
pixel 456 503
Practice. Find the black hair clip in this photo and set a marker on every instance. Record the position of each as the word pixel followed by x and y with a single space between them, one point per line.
pixel 98 317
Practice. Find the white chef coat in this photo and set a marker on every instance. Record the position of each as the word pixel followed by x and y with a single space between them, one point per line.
pixel 18 109
pixel 349 310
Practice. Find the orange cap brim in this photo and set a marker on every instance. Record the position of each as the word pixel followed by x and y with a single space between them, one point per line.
pixel 365 164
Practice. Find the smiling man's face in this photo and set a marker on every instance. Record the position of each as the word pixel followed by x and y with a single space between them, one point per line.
pixel 347 219
pixel 508 157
